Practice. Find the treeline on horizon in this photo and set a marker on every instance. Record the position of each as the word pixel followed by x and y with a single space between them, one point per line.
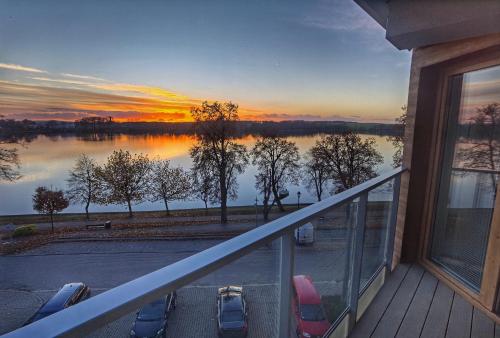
pixel 99 125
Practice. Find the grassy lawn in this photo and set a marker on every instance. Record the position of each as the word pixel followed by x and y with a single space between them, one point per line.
pixel 104 216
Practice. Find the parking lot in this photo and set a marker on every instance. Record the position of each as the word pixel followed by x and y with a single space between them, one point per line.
pixel 28 279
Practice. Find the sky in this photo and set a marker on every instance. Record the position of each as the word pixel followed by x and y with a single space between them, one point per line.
pixel 154 60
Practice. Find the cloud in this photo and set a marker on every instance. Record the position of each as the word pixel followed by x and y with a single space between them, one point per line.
pixel 21 68
pixel 62 81
pixel 339 15
pixel 84 77
pixel 43 102
pixel 124 88
pixel 150 91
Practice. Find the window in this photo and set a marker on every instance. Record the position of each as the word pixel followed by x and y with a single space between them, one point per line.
pixel 470 169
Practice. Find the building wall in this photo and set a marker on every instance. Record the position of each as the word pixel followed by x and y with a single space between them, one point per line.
pixel 423 105
pixel 421 152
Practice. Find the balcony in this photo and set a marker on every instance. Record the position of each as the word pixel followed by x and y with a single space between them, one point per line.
pixel 349 265
pixel 348 262
pixel 414 303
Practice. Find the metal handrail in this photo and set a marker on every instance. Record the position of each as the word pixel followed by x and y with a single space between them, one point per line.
pixel 108 306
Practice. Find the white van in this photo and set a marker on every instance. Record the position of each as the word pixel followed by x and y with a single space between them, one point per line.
pixel 305 234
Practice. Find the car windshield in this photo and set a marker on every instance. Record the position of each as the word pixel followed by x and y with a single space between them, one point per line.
pixel 232 316
pixel 152 312
pixel 312 312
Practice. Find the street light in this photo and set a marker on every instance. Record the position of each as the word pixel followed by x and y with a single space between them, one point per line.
pixel 298 199
pixel 256 217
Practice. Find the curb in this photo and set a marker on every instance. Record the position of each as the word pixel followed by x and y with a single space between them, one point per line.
pixel 152 238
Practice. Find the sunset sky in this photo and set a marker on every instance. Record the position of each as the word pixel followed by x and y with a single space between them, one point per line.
pixel 154 60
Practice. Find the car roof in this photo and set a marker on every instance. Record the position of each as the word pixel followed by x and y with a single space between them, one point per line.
pixel 306 292
pixel 232 302
pixel 59 300
pixel 230 289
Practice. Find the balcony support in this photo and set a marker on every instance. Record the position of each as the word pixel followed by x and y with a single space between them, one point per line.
pixel 357 256
pixel 391 227
pixel 286 273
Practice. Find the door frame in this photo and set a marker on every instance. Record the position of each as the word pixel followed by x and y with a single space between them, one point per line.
pixel 487 296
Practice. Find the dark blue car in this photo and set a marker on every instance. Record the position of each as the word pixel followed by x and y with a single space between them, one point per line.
pixel 151 320
pixel 232 313
pixel 68 295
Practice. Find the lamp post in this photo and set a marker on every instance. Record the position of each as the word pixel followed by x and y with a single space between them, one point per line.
pixel 256 214
pixel 298 199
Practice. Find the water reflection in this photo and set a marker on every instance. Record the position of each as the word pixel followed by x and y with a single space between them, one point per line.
pixel 47 160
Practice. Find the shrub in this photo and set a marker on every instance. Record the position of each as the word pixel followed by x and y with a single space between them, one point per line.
pixel 25 230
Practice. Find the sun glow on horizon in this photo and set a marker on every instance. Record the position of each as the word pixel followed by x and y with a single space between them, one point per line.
pixel 69 97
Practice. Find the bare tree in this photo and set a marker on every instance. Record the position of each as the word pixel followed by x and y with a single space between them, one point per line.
pixel 49 202
pixel 316 174
pixel 203 187
pixel 84 186
pixel 398 141
pixel 124 178
pixel 216 153
pixel 348 159
pixel 9 160
pixel 168 184
pixel 277 161
pixel 482 151
pixel 9 163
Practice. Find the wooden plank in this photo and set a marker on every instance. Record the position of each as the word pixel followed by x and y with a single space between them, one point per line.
pixel 419 308
pixel 459 324
pixel 437 318
pixel 389 324
pixel 491 271
pixel 482 326
pixel 372 315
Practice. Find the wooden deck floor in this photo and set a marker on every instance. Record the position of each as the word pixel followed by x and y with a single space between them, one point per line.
pixel 413 303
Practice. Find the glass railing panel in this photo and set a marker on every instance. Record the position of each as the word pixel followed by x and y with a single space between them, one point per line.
pixel 249 307
pixel 462 226
pixel 322 267
pixel 378 215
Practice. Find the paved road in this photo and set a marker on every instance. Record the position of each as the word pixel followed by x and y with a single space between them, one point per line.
pixel 27 279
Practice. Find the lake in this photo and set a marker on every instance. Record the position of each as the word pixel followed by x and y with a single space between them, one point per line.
pixel 47 161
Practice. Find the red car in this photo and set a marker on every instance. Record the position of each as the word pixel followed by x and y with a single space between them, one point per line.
pixel 309 313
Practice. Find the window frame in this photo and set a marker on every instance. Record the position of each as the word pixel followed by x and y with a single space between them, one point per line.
pixel 488 292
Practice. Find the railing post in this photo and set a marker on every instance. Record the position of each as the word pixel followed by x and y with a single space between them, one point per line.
pixel 286 273
pixel 357 255
pixel 391 228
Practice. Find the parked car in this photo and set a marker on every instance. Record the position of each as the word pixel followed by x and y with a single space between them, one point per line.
pixel 68 295
pixel 308 309
pixel 152 319
pixel 305 234
pixel 232 312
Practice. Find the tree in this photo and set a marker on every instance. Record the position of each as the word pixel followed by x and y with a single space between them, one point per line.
pixel 277 162
pixel 9 159
pixel 168 184
pixel 349 160
pixel 398 142
pixel 49 202
pixel 216 153
pixel 9 162
pixel 315 173
pixel 482 150
pixel 203 187
pixel 124 178
pixel 84 186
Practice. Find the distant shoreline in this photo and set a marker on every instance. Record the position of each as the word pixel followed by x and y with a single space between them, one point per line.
pixel 27 128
